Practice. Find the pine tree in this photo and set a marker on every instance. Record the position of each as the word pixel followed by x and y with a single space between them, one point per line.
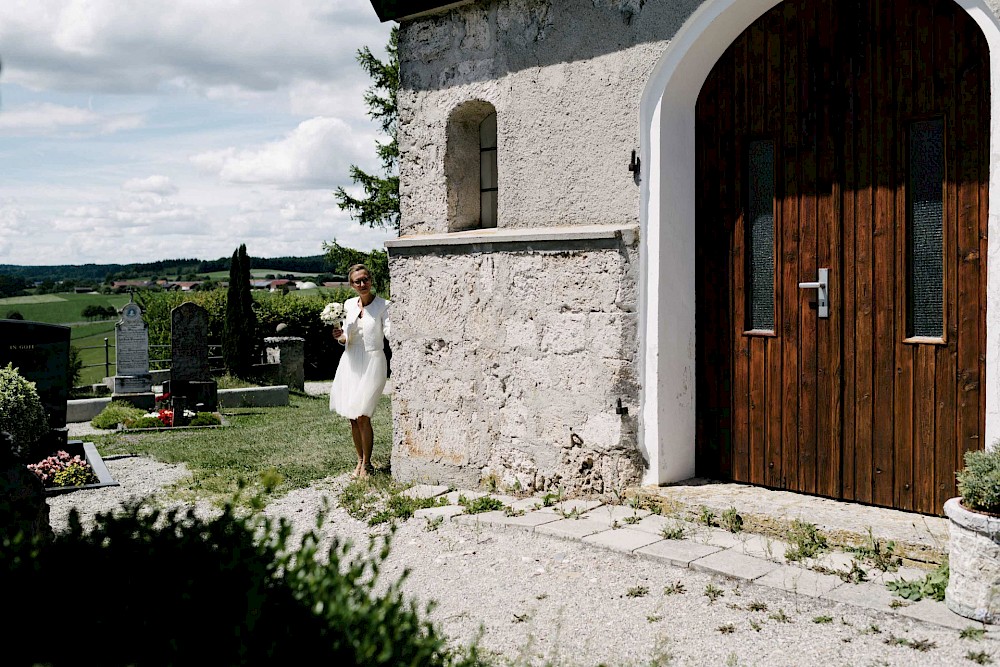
pixel 380 205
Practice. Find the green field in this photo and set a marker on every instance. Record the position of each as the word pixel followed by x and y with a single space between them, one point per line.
pixel 64 308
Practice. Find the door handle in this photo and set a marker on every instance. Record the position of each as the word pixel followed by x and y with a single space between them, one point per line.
pixel 822 286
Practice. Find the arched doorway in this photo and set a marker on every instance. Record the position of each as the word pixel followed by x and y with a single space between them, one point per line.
pixel 840 145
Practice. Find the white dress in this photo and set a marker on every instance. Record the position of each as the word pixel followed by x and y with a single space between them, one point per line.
pixel 361 373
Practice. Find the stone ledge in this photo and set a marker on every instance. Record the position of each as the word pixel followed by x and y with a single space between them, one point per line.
pixel 503 235
pixel 85 409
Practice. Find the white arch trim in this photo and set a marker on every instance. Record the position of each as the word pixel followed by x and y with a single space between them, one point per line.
pixel 667 249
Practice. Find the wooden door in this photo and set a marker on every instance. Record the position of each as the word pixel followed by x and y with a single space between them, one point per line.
pixel 851 136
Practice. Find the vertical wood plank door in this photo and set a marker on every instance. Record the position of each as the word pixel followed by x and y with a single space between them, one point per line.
pixel 850 137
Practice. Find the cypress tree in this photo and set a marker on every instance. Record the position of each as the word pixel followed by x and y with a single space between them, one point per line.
pixel 239 330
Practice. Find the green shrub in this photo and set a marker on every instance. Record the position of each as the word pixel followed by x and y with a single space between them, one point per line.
pixel 21 411
pixel 226 590
pixel 75 475
pixel 979 481
pixel 205 419
pixel 115 413
pixel 143 422
pixel 932 586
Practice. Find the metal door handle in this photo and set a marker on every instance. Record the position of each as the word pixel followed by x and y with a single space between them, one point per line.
pixel 822 285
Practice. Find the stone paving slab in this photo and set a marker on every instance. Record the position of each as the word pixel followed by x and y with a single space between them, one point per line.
pixel 655 524
pixel 866 594
pixel 760 546
pixel 578 504
pixel 571 528
pixel 796 580
pixel 421 491
pixel 529 520
pixel 623 539
pixel 445 511
pixel 468 495
pixel 717 538
pixel 732 564
pixel 936 612
pixel 526 504
pixel 834 560
pixel 677 552
pixel 609 514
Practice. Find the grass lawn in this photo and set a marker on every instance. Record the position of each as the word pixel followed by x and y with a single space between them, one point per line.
pixel 92 336
pixel 303 442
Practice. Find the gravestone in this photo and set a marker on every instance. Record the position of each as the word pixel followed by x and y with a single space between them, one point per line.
pixel 191 384
pixel 132 382
pixel 40 352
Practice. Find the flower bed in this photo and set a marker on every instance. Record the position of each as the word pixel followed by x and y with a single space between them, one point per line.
pixel 78 455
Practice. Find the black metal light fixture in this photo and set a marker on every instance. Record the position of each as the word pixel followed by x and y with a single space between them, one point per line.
pixel 634 165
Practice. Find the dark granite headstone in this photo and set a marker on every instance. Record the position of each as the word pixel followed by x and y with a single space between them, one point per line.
pixel 190 374
pixel 40 352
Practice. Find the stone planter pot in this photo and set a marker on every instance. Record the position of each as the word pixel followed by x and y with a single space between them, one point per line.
pixel 974 562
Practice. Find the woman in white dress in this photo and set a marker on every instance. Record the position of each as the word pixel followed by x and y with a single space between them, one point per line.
pixel 361 373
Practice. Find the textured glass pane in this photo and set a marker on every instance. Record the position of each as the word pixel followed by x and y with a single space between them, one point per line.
pixel 926 225
pixel 488 209
pixel 761 235
pixel 488 169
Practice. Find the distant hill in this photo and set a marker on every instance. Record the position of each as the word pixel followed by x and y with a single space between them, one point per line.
pixel 98 273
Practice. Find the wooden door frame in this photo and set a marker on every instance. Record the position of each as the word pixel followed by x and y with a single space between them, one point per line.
pixel 667 238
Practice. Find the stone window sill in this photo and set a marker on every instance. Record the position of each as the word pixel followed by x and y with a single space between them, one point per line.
pixel 518 235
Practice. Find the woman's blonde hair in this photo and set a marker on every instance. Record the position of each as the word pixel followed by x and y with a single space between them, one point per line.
pixel 357 267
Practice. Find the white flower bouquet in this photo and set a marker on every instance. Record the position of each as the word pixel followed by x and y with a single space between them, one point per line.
pixel 333 314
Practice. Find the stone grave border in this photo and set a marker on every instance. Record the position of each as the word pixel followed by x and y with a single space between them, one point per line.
pixel 89 452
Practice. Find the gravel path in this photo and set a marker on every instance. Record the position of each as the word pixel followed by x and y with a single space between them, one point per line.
pixel 540 600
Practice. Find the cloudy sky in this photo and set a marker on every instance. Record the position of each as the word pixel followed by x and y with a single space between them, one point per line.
pixel 138 130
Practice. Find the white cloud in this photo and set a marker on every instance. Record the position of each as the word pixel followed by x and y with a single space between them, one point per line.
pixel 156 184
pixel 110 45
pixel 316 153
pixel 48 118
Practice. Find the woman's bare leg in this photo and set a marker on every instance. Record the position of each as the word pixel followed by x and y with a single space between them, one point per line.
pixel 358 447
pixel 367 443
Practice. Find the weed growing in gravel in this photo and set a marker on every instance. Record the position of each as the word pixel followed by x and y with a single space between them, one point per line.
pixel 805 541
pixel 821 620
pixel 899 604
pixel 872 629
pixel 727 629
pixel 780 616
pixel 880 555
pixel 922 645
pixel 637 592
pixel 979 657
pixel 520 618
pixel 713 593
pixel 675 532
pixel 855 575
pixel 481 504
pixel 732 660
pixel 433 523
pixel 757 605
pixel 574 513
pixel 732 521
pixel 654 618
pixel 707 516
pixel 631 520
pixel 379 499
pixel 973 633
pixel 675 588
pixel 931 586
pixel 755 626
pixel 510 511
pixel 541 596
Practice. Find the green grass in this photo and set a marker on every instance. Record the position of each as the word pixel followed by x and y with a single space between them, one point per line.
pixel 92 336
pixel 304 442
pixel 61 308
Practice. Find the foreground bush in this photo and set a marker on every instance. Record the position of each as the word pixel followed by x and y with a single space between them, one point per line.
pixel 979 481
pixel 153 588
pixel 21 411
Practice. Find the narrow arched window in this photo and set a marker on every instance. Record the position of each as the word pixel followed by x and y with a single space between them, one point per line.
pixel 470 166
pixel 488 171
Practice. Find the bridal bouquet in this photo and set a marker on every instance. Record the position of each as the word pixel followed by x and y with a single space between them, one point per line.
pixel 333 314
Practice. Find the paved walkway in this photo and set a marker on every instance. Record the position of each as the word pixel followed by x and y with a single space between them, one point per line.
pixel 744 555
